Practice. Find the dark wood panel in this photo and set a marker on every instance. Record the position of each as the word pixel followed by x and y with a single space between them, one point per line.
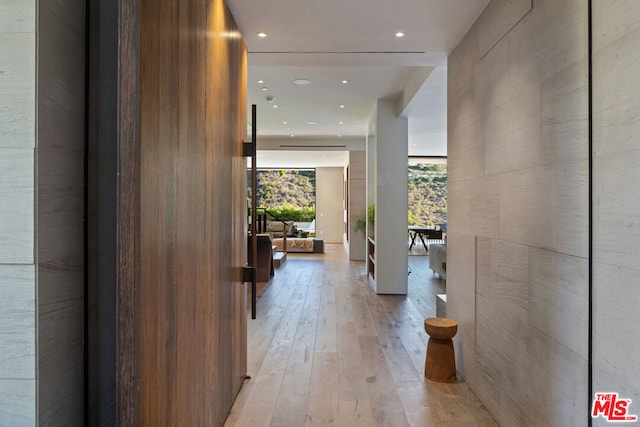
pixel 113 213
pixel 128 215
pixel 59 252
pixel 149 177
pixel 239 212
pixel 192 312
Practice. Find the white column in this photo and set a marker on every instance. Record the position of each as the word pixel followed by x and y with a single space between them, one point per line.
pixel 329 204
pixel 391 199
pixel 357 204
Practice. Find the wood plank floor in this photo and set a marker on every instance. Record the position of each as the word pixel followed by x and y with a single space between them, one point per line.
pixel 326 350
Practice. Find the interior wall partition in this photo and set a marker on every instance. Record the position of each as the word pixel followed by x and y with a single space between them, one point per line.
pixel 615 179
pixel 192 303
pixel 518 210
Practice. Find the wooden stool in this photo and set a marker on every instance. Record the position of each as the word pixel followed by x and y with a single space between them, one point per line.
pixel 440 363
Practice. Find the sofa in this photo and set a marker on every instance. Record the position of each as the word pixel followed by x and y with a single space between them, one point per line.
pixel 277 228
pixel 438 254
pixel 296 244
pixel 297 239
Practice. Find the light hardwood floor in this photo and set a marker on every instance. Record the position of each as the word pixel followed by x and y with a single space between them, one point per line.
pixel 326 350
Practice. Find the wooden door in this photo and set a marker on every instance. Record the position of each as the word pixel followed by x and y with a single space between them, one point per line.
pixel 192 304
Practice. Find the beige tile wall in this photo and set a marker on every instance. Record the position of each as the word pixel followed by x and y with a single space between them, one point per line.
pixel 518 223
pixel 41 212
pixel 616 206
pixel 17 269
pixel 460 298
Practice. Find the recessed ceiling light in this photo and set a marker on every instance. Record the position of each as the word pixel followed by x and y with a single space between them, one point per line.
pixel 302 82
pixel 262 35
pixel 342 106
pixel 264 89
pixel 284 123
pixel 344 82
pixel 399 34
pixel 260 81
pixel 340 122
pixel 312 122
pixel 275 106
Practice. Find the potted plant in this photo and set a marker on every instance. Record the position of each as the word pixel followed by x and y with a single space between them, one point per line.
pixel 360 225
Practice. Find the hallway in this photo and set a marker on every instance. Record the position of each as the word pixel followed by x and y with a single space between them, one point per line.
pixel 326 350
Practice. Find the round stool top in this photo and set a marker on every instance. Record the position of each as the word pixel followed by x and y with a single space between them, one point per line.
pixel 440 327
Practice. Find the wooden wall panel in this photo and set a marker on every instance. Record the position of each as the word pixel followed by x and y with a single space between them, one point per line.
pixel 113 182
pixel 192 307
pixel 128 214
pixel 102 185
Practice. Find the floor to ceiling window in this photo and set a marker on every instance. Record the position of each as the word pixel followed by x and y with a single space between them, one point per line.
pixel 427 177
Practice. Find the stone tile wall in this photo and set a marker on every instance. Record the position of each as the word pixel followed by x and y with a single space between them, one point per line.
pixel 616 199
pixel 517 277
pixel 17 236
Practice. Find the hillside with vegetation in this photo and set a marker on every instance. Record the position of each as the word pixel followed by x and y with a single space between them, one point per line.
pixel 289 194
pixel 427 195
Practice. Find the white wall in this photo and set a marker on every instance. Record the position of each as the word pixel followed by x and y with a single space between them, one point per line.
pixel 517 276
pixel 371 171
pixel 616 208
pixel 391 196
pixel 17 232
pixel 357 204
pixel 329 204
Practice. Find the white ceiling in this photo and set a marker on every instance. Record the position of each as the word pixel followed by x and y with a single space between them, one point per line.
pixel 330 41
pixel 301 159
pixel 320 100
